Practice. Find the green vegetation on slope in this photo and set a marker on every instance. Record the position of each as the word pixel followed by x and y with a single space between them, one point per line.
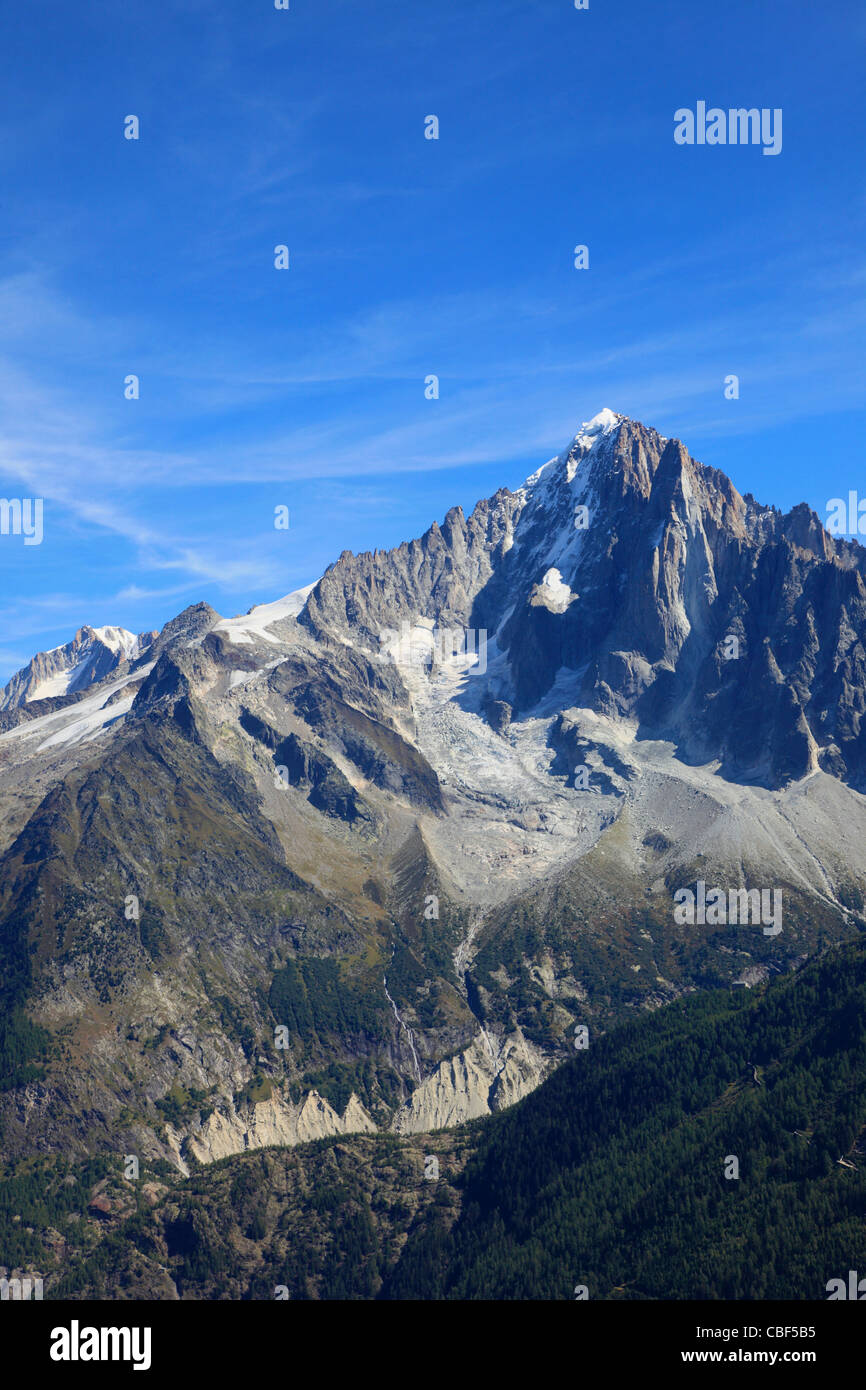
pixel 612 1175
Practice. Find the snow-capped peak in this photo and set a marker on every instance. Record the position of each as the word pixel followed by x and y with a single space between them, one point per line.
pixel 91 655
pixel 117 639
pixel 602 424
pixel 605 422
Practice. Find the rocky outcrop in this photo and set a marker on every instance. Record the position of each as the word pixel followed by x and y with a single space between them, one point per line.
pixel 305 766
pixel 189 626
pixel 442 574
pixel 275 1122
pixel 498 714
pixel 489 1075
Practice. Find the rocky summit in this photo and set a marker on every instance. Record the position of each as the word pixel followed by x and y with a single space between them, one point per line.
pixel 381 854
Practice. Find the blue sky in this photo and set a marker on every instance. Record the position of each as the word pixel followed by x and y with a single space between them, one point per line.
pixel 409 257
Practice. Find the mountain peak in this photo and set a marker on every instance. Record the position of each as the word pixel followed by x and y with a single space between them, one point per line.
pixel 91 654
pixel 605 422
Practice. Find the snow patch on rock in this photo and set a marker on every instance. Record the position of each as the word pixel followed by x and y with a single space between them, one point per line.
pixel 552 593
pixel 254 626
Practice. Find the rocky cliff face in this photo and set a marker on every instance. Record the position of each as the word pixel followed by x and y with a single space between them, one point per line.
pixel 651 590
pixel 491 1074
pixel 371 856
pixel 271 1123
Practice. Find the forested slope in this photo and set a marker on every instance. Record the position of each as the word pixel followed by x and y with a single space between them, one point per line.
pixel 610 1177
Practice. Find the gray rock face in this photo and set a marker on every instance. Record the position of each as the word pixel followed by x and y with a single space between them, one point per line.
pixel 489 1075
pixel 499 714
pixel 306 766
pixel 651 590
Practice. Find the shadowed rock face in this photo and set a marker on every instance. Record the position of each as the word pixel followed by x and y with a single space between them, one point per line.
pixel 306 766
pixel 713 621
